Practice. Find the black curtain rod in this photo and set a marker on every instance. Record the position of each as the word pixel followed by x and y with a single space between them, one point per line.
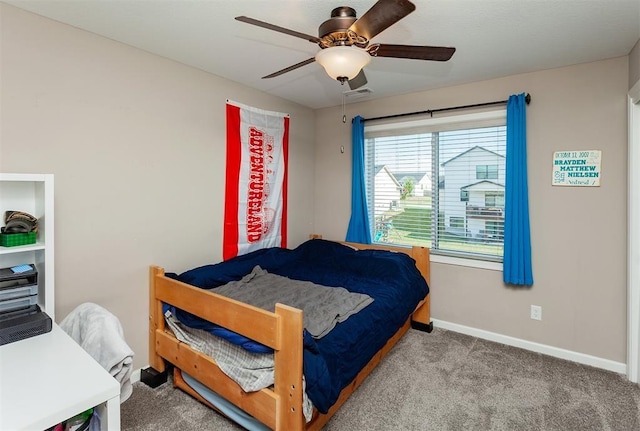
pixel 527 99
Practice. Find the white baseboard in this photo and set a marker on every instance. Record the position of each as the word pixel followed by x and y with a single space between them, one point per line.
pixel 581 358
pixel 135 375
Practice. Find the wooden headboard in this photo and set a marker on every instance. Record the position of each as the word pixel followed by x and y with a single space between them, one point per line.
pixel 420 254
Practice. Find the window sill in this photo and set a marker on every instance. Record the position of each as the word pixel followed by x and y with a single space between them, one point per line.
pixel 470 263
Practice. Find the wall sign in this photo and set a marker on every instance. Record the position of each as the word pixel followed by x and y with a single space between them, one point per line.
pixel 255 208
pixel 576 168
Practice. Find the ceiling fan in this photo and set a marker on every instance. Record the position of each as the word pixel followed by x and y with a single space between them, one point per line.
pixel 345 39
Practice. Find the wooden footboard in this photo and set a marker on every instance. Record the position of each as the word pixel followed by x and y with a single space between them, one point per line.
pixel 280 407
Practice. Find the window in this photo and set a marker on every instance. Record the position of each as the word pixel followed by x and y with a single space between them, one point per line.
pixel 457 222
pixel 458 163
pixel 487 172
pixel 495 230
pixel 493 199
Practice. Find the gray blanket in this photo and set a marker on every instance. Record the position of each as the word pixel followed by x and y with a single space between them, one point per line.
pixel 252 371
pixel 323 307
pixel 100 333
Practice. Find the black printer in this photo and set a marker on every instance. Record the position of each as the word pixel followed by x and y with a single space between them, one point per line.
pixel 20 315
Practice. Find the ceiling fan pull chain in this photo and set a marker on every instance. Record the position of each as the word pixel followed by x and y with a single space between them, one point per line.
pixel 344 116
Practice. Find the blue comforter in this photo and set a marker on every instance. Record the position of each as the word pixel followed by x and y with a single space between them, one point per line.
pixel 332 362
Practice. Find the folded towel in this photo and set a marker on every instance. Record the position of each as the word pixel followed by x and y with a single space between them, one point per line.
pixel 100 333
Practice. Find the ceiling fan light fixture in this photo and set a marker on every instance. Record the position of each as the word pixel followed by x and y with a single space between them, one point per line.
pixel 343 62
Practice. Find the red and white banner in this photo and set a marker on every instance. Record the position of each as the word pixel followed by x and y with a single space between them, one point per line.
pixel 255 211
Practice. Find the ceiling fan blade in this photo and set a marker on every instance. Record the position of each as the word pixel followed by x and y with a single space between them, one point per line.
pixel 381 15
pixel 434 53
pixel 290 68
pixel 358 81
pixel 268 26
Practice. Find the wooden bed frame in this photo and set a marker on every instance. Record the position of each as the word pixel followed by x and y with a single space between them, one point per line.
pixel 278 407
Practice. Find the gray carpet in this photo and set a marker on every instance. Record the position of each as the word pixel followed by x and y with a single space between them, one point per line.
pixel 441 381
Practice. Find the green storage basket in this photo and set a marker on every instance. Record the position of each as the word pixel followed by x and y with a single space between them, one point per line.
pixel 14 239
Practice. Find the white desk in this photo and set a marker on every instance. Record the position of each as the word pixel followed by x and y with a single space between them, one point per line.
pixel 49 378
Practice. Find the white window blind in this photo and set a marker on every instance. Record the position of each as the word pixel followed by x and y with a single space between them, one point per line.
pixel 439 184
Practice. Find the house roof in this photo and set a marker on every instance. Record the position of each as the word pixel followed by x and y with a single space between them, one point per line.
pixel 384 168
pixel 474 185
pixel 477 147
pixel 417 176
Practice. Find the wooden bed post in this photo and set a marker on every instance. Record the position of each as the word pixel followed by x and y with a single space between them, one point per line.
pixel 421 318
pixel 156 319
pixel 288 369
pixel 422 255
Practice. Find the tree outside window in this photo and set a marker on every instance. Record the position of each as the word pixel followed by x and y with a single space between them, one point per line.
pixel 408 185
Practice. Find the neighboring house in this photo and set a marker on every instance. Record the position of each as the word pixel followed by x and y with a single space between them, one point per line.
pixel 421 182
pixel 484 209
pixel 425 185
pixel 472 197
pixel 387 189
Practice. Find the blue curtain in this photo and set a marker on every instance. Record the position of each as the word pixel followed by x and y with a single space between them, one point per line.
pixel 517 237
pixel 359 224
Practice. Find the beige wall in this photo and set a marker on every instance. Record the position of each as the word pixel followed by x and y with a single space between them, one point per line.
pixel 634 65
pixel 137 146
pixel 578 234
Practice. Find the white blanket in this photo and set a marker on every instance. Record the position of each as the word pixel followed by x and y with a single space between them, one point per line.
pixel 100 333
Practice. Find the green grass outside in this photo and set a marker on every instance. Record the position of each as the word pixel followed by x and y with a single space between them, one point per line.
pixel 403 231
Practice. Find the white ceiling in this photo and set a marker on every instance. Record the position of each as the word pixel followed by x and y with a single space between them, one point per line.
pixel 493 38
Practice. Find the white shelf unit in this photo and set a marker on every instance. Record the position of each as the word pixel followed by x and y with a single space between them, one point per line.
pixel 47 378
pixel 32 193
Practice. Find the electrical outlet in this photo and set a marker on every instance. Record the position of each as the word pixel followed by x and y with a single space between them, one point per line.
pixel 536 312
